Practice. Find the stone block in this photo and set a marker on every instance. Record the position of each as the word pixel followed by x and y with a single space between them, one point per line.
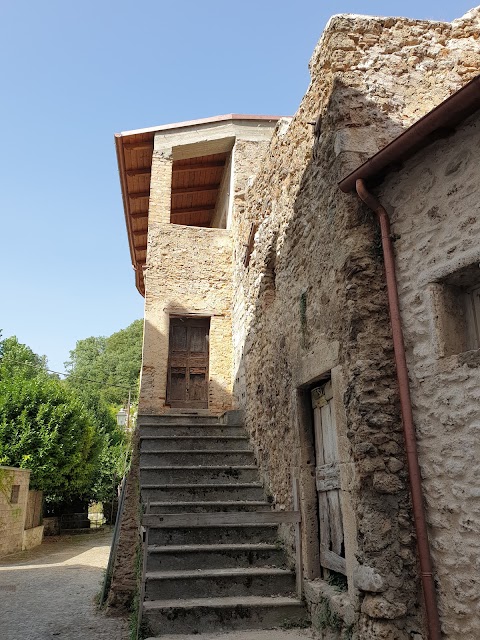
pixel 366 578
pixel 387 483
pixel 377 607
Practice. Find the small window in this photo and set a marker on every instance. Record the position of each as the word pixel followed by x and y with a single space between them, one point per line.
pixel 472 317
pixel 15 494
pixel 456 303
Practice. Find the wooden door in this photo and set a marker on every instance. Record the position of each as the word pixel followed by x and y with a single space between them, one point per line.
pixel 332 548
pixel 187 384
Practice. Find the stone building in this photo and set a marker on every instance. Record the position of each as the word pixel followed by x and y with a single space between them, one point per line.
pixel 246 248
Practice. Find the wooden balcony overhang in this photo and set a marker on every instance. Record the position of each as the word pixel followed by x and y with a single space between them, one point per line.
pixel 195 182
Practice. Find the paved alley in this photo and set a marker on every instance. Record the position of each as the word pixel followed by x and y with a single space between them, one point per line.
pixel 49 592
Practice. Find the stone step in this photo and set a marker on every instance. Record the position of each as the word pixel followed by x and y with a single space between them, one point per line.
pixel 229 582
pixel 182 419
pixel 214 534
pixel 195 430
pixel 192 458
pixel 199 615
pixel 193 492
pixel 214 556
pixel 194 443
pixel 205 506
pixel 202 475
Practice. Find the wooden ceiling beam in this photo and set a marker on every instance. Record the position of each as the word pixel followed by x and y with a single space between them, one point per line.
pixel 141 247
pixel 139 194
pixel 198 189
pixel 201 222
pixel 131 173
pixel 140 232
pixel 139 214
pixel 210 164
pixel 194 210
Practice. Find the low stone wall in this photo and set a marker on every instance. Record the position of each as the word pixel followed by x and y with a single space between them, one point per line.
pixel 13 507
pixel 34 512
pixel 51 526
pixel 32 537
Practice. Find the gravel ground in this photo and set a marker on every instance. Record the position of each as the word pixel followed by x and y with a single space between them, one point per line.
pixel 49 592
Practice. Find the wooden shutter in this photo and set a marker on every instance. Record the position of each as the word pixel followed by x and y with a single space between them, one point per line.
pixel 332 550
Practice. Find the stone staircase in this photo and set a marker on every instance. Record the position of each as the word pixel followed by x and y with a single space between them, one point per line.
pixel 218 577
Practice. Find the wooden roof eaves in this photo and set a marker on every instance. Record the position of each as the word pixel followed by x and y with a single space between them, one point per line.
pixel 126 208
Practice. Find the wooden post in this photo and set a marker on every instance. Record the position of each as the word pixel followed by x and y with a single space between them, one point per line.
pixel 298 540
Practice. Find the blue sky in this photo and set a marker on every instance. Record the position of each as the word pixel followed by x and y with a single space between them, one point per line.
pixel 73 74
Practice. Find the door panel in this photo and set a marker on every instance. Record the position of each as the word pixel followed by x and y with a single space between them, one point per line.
pixel 332 551
pixel 178 384
pixel 198 385
pixel 179 338
pixel 187 385
pixel 198 340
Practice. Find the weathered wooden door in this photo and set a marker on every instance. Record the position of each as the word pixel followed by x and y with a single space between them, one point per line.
pixel 187 385
pixel 332 548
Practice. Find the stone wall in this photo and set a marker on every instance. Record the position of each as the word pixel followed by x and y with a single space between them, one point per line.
pixel 312 302
pixel 189 273
pixel 435 213
pixel 13 508
pixel 189 269
pixel 247 155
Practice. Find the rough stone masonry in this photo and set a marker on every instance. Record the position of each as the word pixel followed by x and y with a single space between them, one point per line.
pixel 326 313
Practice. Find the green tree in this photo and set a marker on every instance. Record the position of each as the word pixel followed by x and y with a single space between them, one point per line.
pixel 114 453
pixel 112 361
pixel 102 370
pixel 15 356
pixel 45 428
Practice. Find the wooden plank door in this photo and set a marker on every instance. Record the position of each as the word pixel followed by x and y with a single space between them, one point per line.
pixel 332 548
pixel 187 383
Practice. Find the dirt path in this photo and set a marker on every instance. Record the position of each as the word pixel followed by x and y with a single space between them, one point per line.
pixel 49 592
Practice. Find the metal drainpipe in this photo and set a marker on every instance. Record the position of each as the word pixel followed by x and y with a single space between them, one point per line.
pixel 426 570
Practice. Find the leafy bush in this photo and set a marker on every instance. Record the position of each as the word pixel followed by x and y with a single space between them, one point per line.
pixel 45 428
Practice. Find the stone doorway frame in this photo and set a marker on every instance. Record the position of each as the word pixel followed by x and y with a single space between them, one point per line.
pixel 305 470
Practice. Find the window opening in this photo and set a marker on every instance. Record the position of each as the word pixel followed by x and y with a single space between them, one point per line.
pixel 201 191
pixel 457 311
pixel 14 494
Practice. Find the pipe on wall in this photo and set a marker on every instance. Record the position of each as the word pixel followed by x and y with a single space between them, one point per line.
pixel 415 480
